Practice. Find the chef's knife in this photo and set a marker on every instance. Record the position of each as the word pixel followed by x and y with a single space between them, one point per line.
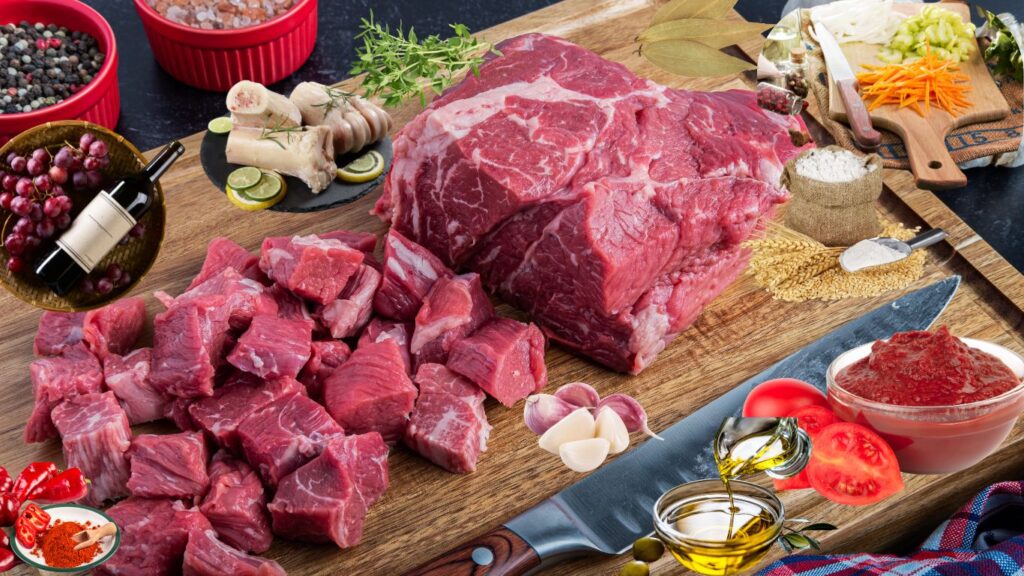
pixel 846 83
pixel 608 510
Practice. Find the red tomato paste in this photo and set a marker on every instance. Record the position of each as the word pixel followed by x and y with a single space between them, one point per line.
pixel 923 368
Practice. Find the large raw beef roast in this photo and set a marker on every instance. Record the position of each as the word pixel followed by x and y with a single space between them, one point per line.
pixel 609 207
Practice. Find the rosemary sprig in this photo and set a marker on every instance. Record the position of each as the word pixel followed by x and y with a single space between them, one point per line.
pixel 273 134
pixel 335 99
pixel 399 65
pixel 796 540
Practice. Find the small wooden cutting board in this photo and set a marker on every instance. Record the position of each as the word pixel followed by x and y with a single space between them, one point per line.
pixel 925 137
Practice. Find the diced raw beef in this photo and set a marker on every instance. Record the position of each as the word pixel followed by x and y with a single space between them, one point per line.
pixel 56 378
pixel 273 347
pixel 95 433
pixel 347 315
pixel 241 395
pixel 380 329
pixel 362 241
pixel 128 378
pixel 114 328
pixel 371 391
pixel 171 465
pixel 222 254
pixel 57 331
pixel 289 305
pixel 188 340
pixel 453 309
pixel 576 189
pixel 312 268
pixel 236 505
pixel 410 270
pixel 284 435
pixel 325 357
pixel 205 555
pixel 245 297
pixel 448 425
pixel 154 534
pixel 177 411
pixel 326 500
pixel 504 357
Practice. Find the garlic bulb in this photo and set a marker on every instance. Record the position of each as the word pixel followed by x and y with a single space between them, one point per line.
pixel 584 455
pixel 579 425
pixel 609 426
pixel 542 411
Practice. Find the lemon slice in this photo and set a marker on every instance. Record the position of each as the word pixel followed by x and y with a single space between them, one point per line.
pixel 363 169
pixel 269 186
pixel 242 201
pixel 245 178
pixel 220 125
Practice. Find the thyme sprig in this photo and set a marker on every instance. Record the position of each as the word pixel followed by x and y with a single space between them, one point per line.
pixel 273 134
pixel 335 99
pixel 399 65
pixel 796 540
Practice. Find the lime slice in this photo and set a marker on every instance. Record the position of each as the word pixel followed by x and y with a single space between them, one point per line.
pixel 220 125
pixel 242 201
pixel 269 186
pixel 363 169
pixel 245 178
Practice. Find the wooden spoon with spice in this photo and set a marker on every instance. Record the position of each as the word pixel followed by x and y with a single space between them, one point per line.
pixel 87 538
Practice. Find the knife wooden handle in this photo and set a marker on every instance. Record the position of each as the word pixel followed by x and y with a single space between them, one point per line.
pixel 500 552
pixel 857 115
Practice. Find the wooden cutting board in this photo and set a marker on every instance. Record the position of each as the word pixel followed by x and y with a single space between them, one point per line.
pixel 925 137
pixel 427 510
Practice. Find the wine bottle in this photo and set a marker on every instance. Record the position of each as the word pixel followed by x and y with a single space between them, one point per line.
pixel 102 224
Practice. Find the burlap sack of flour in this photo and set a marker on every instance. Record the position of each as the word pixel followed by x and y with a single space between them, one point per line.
pixel 834 213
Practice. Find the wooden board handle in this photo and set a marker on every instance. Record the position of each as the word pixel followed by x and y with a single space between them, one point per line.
pixel 933 167
pixel 866 136
pixel 500 552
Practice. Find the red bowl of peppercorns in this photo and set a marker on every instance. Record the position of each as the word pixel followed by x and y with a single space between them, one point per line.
pixel 61 64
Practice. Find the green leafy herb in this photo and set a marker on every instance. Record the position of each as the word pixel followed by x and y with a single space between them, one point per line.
pixel 399 65
pixel 796 540
pixel 335 99
pixel 1003 50
pixel 274 134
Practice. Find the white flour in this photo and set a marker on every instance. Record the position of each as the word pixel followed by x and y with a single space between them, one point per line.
pixel 867 254
pixel 833 166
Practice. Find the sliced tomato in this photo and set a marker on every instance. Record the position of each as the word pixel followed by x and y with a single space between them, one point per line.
pixel 781 397
pixel 852 465
pixel 798 482
pixel 814 419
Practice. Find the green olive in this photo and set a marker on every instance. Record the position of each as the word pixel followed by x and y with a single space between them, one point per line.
pixel 648 549
pixel 635 568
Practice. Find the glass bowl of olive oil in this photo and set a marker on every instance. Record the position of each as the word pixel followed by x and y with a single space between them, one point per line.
pixel 713 534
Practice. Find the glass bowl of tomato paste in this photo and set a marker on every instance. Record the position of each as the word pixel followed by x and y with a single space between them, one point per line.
pixel 935 426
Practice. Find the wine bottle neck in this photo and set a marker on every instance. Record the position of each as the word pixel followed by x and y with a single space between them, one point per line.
pixel 162 161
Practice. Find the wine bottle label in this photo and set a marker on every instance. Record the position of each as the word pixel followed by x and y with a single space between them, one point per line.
pixel 100 226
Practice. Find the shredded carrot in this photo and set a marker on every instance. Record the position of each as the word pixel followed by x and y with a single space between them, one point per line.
pixel 924 81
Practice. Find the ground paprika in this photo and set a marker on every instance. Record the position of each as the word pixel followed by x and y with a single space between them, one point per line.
pixel 58 548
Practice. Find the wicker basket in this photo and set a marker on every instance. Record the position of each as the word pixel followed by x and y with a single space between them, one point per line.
pixel 135 257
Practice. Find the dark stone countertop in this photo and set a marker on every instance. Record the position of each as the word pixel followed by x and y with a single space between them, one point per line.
pixel 156 108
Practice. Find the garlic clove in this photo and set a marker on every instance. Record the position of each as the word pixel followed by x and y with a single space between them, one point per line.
pixel 579 425
pixel 631 412
pixel 584 455
pixel 579 394
pixel 609 425
pixel 542 411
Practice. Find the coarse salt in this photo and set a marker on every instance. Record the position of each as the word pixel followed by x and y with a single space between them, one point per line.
pixel 833 166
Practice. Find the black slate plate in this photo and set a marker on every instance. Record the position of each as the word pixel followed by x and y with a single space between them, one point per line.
pixel 299 197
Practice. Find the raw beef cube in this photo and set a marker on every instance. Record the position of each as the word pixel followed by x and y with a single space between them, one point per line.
pixel 289 305
pixel 154 534
pixel 379 330
pixel 205 555
pixel 246 297
pixel 171 465
pixel 326 500
pixel 54 379
pixel 273 347
pixel 505 358
pixel 284 435
pixel 371 391
pixel 325 357
pixel 188 340
pixel 409 272
pixel 242 394
pixel 351 311
pixel 223 253
pixel 128 378
pixel 115 327
pixel 453 309
pixel 362 241
pixel 177 411
pixel 95 433
pixel 57 331
pixel 236 505
pixel 312 268
pixel 448 425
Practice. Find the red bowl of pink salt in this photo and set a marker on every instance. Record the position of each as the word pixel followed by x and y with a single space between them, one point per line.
pixel 943 403
pixel 216 59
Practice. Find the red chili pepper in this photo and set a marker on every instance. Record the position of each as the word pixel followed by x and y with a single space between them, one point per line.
pixel 31 477
pixel 25 533
pixel 5 541
pixel 68 486
pixel 36 517
pixel 7 559
pixel 8 509
pixel 6 482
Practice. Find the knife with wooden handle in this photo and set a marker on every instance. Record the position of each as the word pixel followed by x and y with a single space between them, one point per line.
pixel 864 133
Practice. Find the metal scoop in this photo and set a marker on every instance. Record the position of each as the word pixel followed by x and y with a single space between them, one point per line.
pixel 875 252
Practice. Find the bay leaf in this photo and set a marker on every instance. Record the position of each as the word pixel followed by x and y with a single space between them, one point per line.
pixel 714 33
pixel 689 58
pixel 677 9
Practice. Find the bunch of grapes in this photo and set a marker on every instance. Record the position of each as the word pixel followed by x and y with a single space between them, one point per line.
pixel 34 188
pixel 105 282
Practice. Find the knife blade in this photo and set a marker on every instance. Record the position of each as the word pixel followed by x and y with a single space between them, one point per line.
pixel 612 507
pixel 846 83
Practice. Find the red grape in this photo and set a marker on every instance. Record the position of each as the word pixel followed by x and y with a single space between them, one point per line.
pixel 35 167
pixel 58 190
pixel 91 163
pixel 88 286
pixel 23 227
pixel 104 286
pixel 58 174
pixel 138 231
pixel 114 273
pixel 10 157
pixel 126 279
pixel 51 207
pixel 93 179
pixel 45 229
pixel 79 180
pixel 35 211
pixel 43 183
pixel 5 200
pixel 104 161
pixel 86 140
pixel 65 204
pixel 18 164
pixel 21 206
pixel 63 158
pixel 63 221
pixel 9 182
pixel 15 244
pixel 98 148
pixel 41 155
pixel 15 264
pixel 31 243
pixel 24 187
